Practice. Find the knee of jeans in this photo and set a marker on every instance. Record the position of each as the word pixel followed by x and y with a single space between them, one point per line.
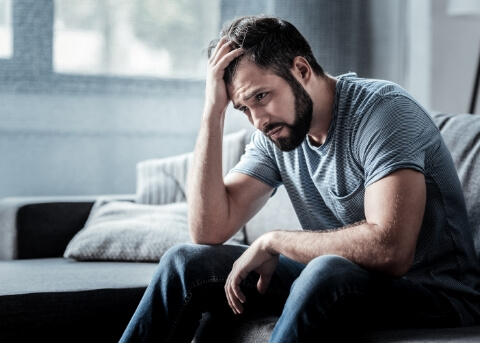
pixel 328 273
pixel 182 256
pixel 177 262
pixel 196 259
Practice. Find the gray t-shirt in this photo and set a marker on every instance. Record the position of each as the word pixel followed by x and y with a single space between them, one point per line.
pixel 377 128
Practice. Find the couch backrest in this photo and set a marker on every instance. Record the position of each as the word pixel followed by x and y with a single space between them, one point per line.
pixel 461 133
pixel 278 213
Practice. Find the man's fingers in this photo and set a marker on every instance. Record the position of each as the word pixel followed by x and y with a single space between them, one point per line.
pixel 219 44
pixel 235 296
pixel 226 59
pixel 233 301
pixel 221 49
pixel 236 305
pixel 216 92
pixel 263 283
pixel 224 53
pixel 237 292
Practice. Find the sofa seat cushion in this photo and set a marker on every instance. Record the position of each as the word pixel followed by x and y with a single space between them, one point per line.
pixel 62 300
pixel 235 329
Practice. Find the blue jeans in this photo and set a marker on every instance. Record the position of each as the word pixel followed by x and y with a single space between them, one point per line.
pixel 328 298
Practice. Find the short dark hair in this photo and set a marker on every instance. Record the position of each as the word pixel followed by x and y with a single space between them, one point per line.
pixel 270 42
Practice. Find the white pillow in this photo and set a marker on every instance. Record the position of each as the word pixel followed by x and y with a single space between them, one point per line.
pixel 163 180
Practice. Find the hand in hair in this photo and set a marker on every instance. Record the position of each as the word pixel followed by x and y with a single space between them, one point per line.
pixel 216 97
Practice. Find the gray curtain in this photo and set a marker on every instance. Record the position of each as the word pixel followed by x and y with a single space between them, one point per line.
pixel 338 31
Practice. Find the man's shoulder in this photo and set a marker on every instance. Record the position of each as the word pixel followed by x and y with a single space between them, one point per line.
pixel 361 88
pixel 361 98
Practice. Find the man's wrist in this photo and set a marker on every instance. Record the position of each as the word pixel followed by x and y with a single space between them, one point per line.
pixel 269 242
pixel 214 111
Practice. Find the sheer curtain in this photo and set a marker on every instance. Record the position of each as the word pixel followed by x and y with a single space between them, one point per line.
pixel 68 130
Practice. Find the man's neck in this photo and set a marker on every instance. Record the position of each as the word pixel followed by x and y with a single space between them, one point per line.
pixel 323 99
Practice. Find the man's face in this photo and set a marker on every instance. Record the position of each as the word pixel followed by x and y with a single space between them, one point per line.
pixel 280 108
pixel 303 119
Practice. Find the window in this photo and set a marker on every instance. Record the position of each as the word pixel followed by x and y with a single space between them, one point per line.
pixel 6 39
pixel 159 38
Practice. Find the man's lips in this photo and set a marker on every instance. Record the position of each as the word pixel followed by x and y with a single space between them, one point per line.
pixel 275 132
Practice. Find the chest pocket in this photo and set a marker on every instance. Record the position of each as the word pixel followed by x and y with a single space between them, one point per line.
pixel 348 208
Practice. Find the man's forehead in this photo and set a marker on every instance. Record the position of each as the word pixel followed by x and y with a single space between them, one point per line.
pixel 246 68
pixel 248 75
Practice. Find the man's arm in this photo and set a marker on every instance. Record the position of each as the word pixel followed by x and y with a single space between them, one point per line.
pixel 384 242
pixel 217 207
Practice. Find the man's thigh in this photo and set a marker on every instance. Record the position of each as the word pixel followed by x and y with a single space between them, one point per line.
pixel 203 270
pixel 336 292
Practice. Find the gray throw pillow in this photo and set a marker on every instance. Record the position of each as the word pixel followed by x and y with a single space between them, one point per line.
pixel 126 231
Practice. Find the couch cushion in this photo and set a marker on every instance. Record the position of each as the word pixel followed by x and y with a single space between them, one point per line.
pixel 61 300
pixel 235 329
pixel 278 213
pixel 461 133
pixel 469 334
pixel 67 275
pixel 163 180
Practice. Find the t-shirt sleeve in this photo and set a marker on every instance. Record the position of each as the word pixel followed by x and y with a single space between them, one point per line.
pixel 393 135
pixel 259 161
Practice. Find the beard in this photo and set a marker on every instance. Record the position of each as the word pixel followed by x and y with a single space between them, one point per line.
pixel 303 119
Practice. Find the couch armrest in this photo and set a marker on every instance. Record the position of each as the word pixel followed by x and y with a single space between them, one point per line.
pixel 38 227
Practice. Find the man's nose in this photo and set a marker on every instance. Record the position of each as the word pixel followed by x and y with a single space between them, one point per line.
pixel 260 118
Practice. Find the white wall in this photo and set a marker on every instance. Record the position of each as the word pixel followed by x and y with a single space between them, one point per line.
pixel 66 144
pixel 418 51
pixel 455 52
pixel 443 56
pixel 52 144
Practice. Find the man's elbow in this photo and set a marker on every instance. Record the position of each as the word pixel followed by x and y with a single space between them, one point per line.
pixel 200 239
pixel 199 234
pixel 398 263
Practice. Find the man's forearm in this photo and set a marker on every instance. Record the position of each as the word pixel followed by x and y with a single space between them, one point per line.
pixel 207 196
pixel 385 242
pixel 365 244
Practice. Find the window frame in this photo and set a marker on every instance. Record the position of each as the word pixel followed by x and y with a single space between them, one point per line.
pixel 30 69
pixel 9 19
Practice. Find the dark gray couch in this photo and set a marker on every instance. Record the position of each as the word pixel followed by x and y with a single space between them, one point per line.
pixel 47 298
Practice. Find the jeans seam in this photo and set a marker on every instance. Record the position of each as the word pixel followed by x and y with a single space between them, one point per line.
pixel 188 297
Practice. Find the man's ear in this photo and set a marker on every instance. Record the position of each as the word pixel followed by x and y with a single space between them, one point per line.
pixel 301 69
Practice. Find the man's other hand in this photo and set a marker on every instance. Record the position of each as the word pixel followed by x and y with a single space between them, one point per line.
pixel 256 258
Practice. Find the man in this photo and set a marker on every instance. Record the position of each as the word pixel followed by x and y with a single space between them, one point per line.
pixel 386 241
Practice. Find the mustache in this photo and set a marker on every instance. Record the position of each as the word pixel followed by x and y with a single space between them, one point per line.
pixel 270 127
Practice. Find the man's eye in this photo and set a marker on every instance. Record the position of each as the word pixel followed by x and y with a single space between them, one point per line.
pixel 243 109
pixel 261 96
